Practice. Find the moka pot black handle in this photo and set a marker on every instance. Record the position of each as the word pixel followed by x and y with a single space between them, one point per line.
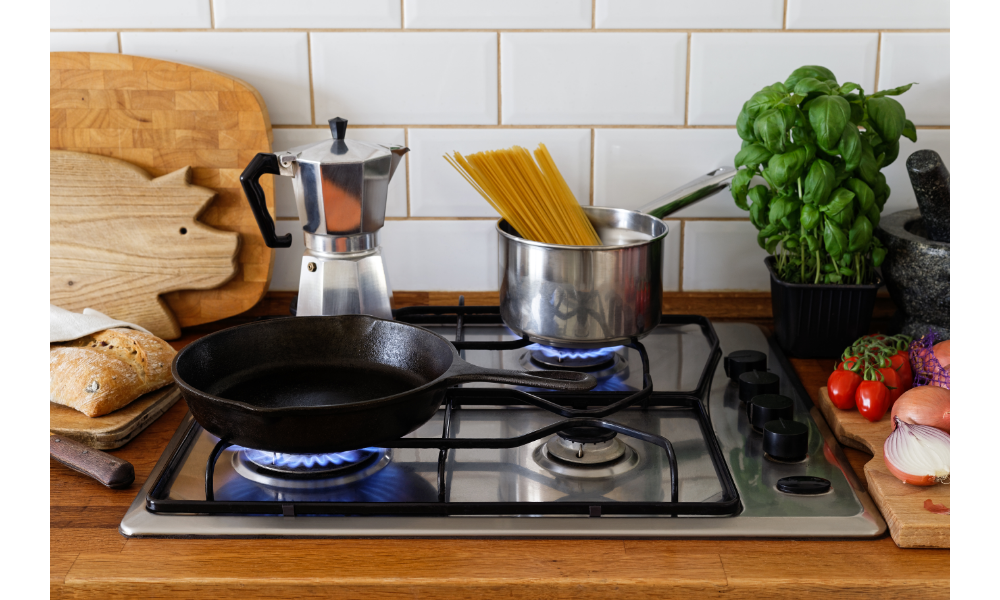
pixel 263 163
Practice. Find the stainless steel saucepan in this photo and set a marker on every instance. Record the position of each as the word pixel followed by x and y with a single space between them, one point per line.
pixel 594 296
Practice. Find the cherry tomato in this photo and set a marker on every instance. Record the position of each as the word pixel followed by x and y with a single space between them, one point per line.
pixel 872 400
pixel 849 364
pixel 842 386
pixel 901 364
pixel 891 380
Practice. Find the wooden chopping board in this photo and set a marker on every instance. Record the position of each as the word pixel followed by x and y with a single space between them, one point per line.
pixel 115 429
pixel 162 117
pixel 910 523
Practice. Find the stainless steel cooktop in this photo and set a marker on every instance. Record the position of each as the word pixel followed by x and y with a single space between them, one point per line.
pixel 536 488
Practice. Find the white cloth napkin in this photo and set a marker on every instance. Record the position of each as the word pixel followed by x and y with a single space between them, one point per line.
pixel 65 325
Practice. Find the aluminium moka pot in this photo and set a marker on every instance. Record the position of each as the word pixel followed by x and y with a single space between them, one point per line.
pixel 340 189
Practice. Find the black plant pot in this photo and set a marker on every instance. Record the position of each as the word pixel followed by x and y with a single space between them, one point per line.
pixel 819 320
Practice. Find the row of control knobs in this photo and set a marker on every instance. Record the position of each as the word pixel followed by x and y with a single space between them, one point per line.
pixel 770 414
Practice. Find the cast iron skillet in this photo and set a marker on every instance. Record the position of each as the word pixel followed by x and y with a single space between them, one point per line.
pixel 308 385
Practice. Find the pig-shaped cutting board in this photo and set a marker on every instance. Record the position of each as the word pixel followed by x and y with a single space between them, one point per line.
pixel 119 238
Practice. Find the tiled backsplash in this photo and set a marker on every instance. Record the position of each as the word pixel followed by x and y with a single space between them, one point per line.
pixel 632 97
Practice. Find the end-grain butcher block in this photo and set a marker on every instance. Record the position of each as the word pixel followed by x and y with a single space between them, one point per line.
pixel 164 116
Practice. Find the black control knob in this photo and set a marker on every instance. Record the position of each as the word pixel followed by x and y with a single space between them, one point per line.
pixel 803 485
pixel 742 361
pixel 786 440
pixel 755 383
pixel 768 407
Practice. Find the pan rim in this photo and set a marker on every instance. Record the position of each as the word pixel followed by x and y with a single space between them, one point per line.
pixel 322 408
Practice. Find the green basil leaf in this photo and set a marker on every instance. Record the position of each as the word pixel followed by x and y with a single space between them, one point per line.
pixel 874 216
pixel 785 168
pixel 772 245
pixel 910 131
pixel 893 92
pixel 828 116
pixel 790 243
pixel 863 193
pixel 761 102
pixel 860 235
pixel 811 85
pixel 791 220
pixel 818 183
pixel 744 125
pixel 810 217
pixel 833 278
pixel 828 268
pixel 847 271
pixel 760 198
pixel 887 118
pixel 752 156
pixel 738 187
pixel 878 256
pixel 810 71
pixel 770 128
pixel 868 167
pixel 850 147
pixel 811 241
pixel 834 239
pixel 848 87
pixel 890 150
pixel 780 208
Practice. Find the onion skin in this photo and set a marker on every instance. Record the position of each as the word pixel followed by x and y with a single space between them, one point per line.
pixel 924 480
pixel 929 445
pixel 942 352
pixel 924 405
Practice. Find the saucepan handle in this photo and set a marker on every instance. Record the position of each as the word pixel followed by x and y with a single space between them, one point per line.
pixel 570 381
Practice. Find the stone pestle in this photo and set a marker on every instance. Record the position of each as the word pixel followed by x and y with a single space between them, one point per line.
pixel 931 185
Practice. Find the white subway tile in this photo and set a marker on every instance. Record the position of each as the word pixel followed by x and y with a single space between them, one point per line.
pixel 723 255
pixel 865 14
pixel 83 41
pixel 728 68
pixel 308 14
pixel 684 14
pixel 276 64
pixel 593 78
pixel 437 190
pixel 287 261
pixel 129 14
pixel 901 196
pixel 284 198
pixel 923 58
pixel 633 167
pixel 406 78
pixel 672 257
pixel 490 14
pixel 441 255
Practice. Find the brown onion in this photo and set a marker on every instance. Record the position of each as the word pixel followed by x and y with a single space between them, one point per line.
pixel 942 352
pixel 924 405
pixel 918 454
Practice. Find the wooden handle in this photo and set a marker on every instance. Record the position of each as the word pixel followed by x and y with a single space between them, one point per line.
pixel 109 470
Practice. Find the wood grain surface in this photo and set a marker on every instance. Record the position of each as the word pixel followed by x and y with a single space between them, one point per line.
pixel 120 238
pixel 90 559
pixel 114 429
pixel 163 116
pixel 902 505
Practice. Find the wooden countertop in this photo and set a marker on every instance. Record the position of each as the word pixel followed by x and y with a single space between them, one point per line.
pixel 90 559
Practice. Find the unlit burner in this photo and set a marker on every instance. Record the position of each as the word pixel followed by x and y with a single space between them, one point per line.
pixel 606 458
pixel 309 470
pixel 573 359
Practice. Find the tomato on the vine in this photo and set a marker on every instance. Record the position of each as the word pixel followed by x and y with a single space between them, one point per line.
pixel 842 386
pixel 891 380
pixel 872 400
pixel 901 364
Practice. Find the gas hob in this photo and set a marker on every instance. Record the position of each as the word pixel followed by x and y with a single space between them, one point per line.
pixel 662 447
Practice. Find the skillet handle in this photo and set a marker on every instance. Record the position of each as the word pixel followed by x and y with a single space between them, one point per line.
pixel 570 381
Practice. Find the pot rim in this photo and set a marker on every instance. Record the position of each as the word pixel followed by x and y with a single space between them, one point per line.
pixel 588 209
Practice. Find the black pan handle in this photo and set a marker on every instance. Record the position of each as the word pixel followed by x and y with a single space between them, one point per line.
pixel 263 163
pixel 570 381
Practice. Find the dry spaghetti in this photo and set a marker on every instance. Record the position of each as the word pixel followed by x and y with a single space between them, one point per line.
pixel 533 198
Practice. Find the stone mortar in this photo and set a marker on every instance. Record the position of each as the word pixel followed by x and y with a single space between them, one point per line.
pixel 917 272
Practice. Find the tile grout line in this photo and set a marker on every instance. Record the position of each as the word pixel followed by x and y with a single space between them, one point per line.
pixel 593 165
pixel 878 59
pixel 680 273
pixel 119 42
pixel 784 17
pixel 499 85
pixel 211 12
pixel 402 20
pixel 593 14
pixel 538 126
pixel 687 82
pixel 406 142
pixel 312 91
pixel 418 31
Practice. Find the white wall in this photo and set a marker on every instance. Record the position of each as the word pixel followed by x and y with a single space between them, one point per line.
pixel 633 97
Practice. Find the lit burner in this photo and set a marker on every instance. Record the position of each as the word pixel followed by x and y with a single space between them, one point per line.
pixel 582 359
pixel 308 470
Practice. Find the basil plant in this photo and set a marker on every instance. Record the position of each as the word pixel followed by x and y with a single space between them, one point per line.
pixel 825 190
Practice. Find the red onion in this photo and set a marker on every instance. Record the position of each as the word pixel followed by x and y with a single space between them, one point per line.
pixel 925 405
pixel 918 454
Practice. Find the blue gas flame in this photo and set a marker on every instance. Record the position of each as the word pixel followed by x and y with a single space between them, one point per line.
pixel 575 353
pixel 308 461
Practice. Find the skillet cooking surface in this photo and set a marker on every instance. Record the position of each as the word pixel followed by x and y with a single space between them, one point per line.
pixel 320 385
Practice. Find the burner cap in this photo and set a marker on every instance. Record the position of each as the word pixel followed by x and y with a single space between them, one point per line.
pixel 585 461
pixel 587 435
pixel 309 470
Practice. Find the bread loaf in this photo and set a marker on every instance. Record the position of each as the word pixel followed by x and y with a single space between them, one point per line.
pixel 104 371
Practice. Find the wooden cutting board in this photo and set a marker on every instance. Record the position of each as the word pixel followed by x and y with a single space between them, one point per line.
pixel 115 429
pixel 911 524
pixel 162 117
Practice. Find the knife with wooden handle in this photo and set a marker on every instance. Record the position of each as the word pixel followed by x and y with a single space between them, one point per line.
pixel 105 468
